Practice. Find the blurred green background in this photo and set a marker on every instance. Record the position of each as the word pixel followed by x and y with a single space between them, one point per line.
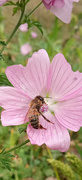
pixel 30 162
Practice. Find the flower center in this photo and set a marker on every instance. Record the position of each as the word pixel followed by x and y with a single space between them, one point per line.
pixel 44 108
pixel 49 106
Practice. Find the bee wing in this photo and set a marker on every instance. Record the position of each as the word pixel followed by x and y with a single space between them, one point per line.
pixel 31 112
pixel 27 116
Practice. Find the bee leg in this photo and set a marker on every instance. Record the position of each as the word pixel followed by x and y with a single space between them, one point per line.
pixel 41 127
pixel 45 117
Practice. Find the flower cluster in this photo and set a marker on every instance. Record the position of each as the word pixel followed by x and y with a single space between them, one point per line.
pixel 55 80
pixel 26 48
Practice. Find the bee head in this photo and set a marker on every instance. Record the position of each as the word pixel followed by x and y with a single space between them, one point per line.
pixel 41 99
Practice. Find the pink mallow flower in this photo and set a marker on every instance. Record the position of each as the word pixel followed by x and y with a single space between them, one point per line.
pixel 23 27
pixel 55 80
pixel 25 49
pixel 3 2
pixel 34 35
pixel 61 8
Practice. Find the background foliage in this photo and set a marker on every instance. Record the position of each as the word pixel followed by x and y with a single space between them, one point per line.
pixel 32 162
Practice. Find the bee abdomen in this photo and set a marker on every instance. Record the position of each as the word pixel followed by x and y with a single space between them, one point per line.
pixel 34 121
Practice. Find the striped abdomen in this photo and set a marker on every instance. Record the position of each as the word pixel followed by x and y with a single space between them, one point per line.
pixel 34 118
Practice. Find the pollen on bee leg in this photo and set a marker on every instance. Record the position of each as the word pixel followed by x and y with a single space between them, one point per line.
pixel 44 108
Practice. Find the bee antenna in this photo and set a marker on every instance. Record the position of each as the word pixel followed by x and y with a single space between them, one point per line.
pixel 47 97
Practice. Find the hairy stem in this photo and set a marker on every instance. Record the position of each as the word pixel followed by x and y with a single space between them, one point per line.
pixel 34 9
pixel 16 147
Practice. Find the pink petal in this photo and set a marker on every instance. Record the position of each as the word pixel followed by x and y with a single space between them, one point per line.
pixel 2 2
pixel 56 3
pixel 59 138
pixel 71 96
pixel 24 27
pixel 62 80
pixel 59 3
pixel 69 112
pixel 25 49
pixel 11 98
pixel 64 13
pixel 47 1
pixel 75 0
pixel 14 117
pixel 55 136
pixel 31 79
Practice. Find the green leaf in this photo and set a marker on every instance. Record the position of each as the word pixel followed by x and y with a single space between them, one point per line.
pixel 15 9
pixel 49 172
pixel 1 57
pixel 5 164
pixel 22 129
pixel 9 3
pixel 38 25
pixel 3 43
pixel 4 81
pixel 2 151
pixel 34 23
pixel 5 160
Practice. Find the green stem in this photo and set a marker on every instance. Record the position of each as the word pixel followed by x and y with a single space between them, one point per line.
pixel 16 147
pixel 34 9
pixel 55 170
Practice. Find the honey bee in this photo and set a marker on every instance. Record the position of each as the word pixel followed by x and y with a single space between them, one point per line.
pixel 34 112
